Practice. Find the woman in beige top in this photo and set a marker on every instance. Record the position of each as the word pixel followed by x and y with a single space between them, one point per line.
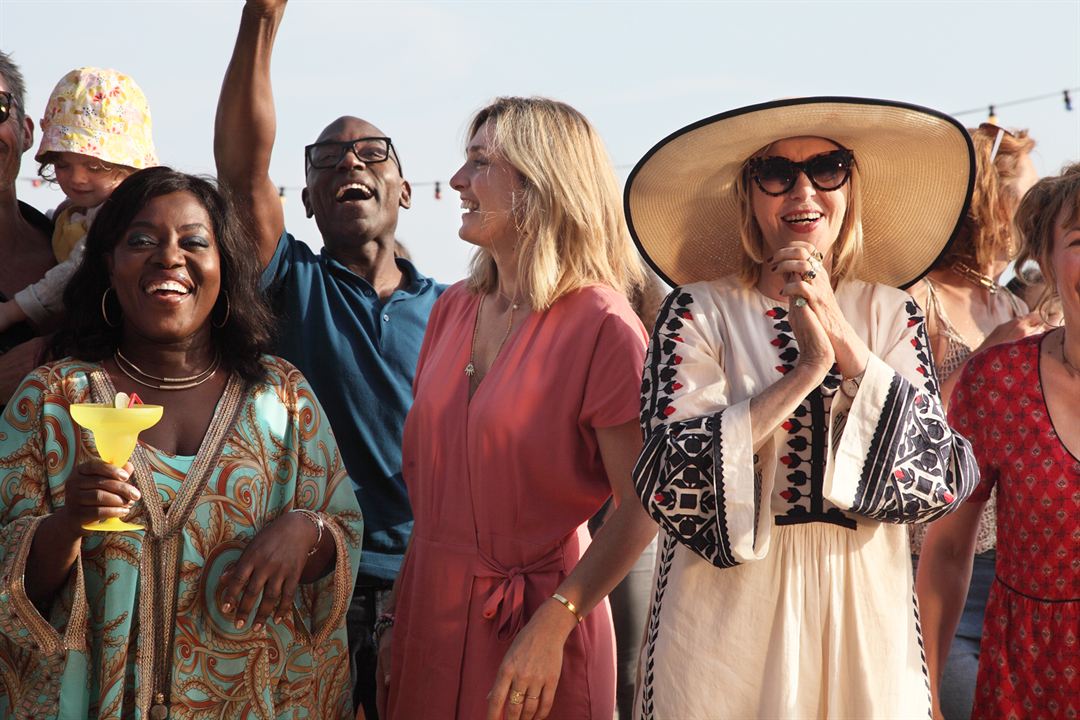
pixel 966 311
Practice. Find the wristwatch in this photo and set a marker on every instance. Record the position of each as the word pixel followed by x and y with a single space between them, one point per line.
pixel 850 386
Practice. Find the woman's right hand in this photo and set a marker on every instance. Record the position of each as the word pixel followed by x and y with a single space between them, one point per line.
pixel 815 348
pixel 382 671
pixel 96 491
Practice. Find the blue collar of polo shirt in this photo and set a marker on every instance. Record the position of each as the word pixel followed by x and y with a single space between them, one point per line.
pixel 417 282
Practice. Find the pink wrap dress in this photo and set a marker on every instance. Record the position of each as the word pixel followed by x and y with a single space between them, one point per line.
pixel 501 488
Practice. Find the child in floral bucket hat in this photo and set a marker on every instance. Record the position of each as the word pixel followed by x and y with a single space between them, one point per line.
pixel 96 131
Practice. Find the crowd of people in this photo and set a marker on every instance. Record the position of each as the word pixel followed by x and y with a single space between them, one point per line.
pixel 808 492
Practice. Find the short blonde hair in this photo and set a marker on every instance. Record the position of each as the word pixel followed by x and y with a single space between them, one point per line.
pixel 846 251
pixel 1036 218
pixel 568 212
pixel 987 231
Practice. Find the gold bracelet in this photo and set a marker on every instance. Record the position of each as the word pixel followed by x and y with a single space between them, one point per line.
pixel 315 518
pixel 568 605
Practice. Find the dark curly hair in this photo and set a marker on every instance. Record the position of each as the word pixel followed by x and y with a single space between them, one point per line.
pixel 246 334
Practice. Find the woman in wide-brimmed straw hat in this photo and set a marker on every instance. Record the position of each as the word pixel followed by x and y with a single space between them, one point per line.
pixel 791 407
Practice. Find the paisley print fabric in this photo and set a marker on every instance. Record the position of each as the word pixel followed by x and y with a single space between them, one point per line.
pixel 92 656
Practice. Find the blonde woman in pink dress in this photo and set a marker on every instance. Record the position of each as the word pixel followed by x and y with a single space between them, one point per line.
pixel 524 424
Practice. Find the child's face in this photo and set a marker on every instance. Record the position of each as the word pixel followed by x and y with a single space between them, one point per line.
pixel 85 180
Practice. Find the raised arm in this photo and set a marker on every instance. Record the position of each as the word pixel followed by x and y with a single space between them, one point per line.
pixel 246 124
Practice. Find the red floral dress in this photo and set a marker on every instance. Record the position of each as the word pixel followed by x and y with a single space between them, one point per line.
pixel 1030 662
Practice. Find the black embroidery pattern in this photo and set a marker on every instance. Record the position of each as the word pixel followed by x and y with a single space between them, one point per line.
pixel 677 476
pixel 658 383
pixel 921 343
pixel 916 468
pixel 667 556
pixel 804 455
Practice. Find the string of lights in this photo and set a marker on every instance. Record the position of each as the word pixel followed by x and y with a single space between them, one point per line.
pixel 991 110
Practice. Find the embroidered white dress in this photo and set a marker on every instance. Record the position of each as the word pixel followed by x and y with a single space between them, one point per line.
pixel 783 585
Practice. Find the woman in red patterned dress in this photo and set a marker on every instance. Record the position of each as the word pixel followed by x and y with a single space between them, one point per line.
pixel 1016 404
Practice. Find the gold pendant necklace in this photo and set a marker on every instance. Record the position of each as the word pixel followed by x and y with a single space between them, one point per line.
pixel 470 369
pixel 975 277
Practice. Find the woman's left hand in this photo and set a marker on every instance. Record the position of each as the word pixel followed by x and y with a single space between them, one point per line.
pixel 268 572
pixel 530 670
pixel 807 277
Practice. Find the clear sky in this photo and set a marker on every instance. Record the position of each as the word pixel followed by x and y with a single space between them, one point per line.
pixel 638 70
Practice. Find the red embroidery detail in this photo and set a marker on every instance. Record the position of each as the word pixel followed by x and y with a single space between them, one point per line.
pixel 786 459
pixel 677 360
pixel 669 410
pixel 787 425
pixel 676 386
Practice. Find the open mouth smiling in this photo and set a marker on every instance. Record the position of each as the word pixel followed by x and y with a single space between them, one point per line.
pixel 167 289
pixel 802 218
pixel 354 192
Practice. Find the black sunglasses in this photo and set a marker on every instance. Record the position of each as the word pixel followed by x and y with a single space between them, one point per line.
pixel 7 102
pixel 368 150
pixel 777 175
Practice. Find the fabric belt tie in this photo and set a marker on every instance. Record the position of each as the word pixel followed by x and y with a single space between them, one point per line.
pixel 506 603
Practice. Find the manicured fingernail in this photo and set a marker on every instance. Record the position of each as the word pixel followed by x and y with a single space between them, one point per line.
pixel 123 474
pixel 769 259
pixel 135 493
pixel 256 627
pixel 773 268
pixel 278 619
pixel 226 607
pixel 241 623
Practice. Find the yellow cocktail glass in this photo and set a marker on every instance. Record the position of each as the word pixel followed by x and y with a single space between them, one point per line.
pixel 116 430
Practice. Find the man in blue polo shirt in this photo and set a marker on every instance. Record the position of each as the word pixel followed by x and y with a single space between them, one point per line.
pixel 351 318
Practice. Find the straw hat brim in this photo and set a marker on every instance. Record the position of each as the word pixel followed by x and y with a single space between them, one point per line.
pixel 916 169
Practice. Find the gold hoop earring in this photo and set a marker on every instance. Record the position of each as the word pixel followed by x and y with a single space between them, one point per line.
pixel 228 309
pixel 104 311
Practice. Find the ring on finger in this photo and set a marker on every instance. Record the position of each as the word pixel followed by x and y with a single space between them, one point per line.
pixel 809 275
pixel 516 697
pixel 800 302
pixel 816 255
pixel 532 697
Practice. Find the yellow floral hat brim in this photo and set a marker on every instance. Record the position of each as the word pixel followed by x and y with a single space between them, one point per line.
pixel 101 113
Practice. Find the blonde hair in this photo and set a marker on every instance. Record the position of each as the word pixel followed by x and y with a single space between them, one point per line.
pixel 1037 217
pixel 846 251
pixel 568 212
pixel 987 231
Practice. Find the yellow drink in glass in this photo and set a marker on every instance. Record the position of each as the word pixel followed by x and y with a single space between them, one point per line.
pixel 116 431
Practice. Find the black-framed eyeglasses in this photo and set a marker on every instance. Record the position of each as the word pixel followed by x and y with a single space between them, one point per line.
pixel 826 172
pixel 368 150
pixel 7 103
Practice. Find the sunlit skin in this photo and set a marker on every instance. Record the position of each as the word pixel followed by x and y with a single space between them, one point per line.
pixel 1065 260
pixel 86 181
pixel 355 228
pixel 790 245
pixel 487 183
pixel 166 272
pixel 770 211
